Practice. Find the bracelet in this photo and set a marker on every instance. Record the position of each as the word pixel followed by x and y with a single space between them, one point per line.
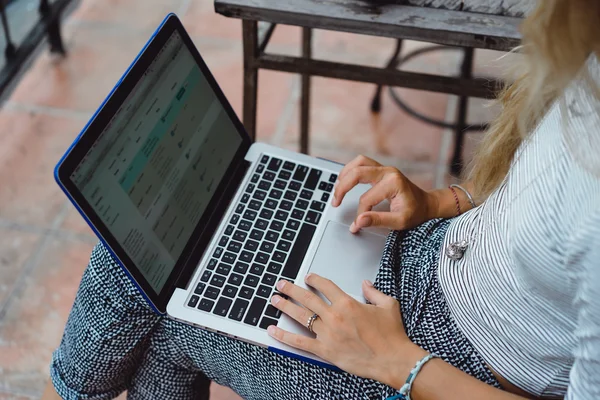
pixel 404 392
pixel 458 210
pixel 471 201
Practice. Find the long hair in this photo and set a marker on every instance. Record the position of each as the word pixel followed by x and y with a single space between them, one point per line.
pixel 558 38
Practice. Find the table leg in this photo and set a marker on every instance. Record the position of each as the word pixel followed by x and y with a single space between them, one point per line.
pixel 392 64
pixel 456 165
pixel 250 38
pixel 305 95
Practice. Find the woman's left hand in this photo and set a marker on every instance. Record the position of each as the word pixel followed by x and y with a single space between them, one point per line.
pixel 367 340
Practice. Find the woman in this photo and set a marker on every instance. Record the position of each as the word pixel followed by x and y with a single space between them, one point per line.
pixel 505 296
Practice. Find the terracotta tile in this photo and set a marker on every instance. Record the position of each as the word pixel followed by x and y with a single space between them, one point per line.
pixel 16 247
pixel 10 396
pixel 350 47
pixel 218 392
pixel 33 324
pixel 31 146
pixel 201 19
pixel 341 117
pixel 98 56
pixel 75 223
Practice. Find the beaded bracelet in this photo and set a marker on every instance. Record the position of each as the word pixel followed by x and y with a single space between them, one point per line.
pixel 404 392
pixel 458 210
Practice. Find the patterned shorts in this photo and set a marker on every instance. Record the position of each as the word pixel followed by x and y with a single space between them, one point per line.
pixel 114 342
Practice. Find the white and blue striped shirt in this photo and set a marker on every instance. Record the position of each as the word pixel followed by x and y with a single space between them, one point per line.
pixel 527 291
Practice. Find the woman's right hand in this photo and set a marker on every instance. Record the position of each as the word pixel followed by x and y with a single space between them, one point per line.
pixel 410 206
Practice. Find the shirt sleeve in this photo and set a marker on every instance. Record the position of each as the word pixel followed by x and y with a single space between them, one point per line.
pixel 585 374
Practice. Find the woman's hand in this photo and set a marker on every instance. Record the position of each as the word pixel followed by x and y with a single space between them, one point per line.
pixel 410 206
pixel 367 340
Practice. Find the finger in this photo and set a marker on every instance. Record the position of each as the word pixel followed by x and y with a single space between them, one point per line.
pixel 358 175
pixel 370 199
pixel 377 298
pixel 358 161
pixel 325 286
pixel 300 314
pixel 385 219
pixel 305 297
pixel 291 339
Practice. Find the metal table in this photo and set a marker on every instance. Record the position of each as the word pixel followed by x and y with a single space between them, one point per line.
pixel 463 29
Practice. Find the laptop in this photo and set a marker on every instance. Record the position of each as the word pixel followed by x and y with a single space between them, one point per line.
pixel 202 220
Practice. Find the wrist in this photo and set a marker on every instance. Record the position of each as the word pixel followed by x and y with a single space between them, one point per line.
pixel 433 204
pixel 406 357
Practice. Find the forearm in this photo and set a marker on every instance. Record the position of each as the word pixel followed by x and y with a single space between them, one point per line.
pixel 444 202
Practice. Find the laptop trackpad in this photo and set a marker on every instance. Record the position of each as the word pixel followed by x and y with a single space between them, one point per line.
pixel 348 259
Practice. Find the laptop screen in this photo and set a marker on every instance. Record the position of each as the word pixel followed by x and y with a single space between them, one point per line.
pixel 153 170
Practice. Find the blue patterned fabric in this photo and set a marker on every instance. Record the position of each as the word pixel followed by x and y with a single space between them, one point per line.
pixel 114 342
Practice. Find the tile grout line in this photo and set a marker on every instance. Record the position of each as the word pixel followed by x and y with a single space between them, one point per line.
pixel 287 114
pixel 34 260
pixel 447 135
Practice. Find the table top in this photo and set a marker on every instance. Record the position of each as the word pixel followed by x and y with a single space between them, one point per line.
pixel 390 19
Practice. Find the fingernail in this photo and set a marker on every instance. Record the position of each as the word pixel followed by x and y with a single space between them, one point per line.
pixel 271 330
pixel 353 228
pixel 334 201
pixel 275 299
pixel 307 277
pixel 368 283
pixel 281 284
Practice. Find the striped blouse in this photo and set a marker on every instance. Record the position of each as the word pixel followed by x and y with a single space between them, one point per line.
pixel 527 290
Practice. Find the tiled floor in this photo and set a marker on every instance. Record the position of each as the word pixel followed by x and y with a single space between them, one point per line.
pixel 44 245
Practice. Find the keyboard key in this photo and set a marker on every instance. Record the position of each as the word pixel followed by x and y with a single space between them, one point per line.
pixel 250 188
pixel 300 173
pixel 217 280
pixel 323 185
pixel 313 217
pixel 235 279
pixel 326 187
pixel 266 214
pixel 206 305
pixel 218 252
pixel 260 168
pixel 263 291
pixel 240 235
pixel 272 236
pixel 302 204
pixel 282 215
pixel 238 309
pixel 223 241
pixel 260 195
pixel 246 256
pixel 325 197
pixel 272 312
pixel 246 292
pixel 293 224
pixel 255 178
pixel 288 235
pixel 251 245
pixel 262 258
pixel 239 209
pixel 257 269
pixel 211 292
pixel 250 215
pixel 286 205
pixel 276 226
pixel 306 194
pixel 283 245
pixel 212 264
pixel 270 203
pixel 264 185
pixel 275 194
pixel 229 229
pixel 245 225
pixel 251 280
pixel 317 206
pixel 298 252
pixel 298 214
pixel 255 311
pixel 234 246
pixel 222 306
pixel 234 219
pixel 294 185
pixel 269 176
pixel 274 268
pixel 290 195
pixel 279 257
pixel 279 184
pixel 230 291
pixel 255 205
pixel 332 178
pixel 193 301
pixel 241 267
pixel 313 179
pixel 264 159
pixel 261 224
pixel 256 234
pixel 267 322
pixel 285 175
pixel 245 198
pixel 288 165
pixel 267 247
pixel 228 257
pixel 205 276
pixel 223 269
pixel 329 187
pixel 275 164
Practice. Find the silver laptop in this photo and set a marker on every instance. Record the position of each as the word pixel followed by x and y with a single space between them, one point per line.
pixel 203 221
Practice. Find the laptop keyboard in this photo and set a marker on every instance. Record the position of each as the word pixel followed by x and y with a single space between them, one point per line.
pixel 265 240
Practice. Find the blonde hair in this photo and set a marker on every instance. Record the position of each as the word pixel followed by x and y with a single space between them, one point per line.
pixel 558 38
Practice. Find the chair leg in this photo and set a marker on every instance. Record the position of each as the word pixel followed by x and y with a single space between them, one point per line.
pixel 456 165
pixel 250 39
pixel 305 95
pixel 392 63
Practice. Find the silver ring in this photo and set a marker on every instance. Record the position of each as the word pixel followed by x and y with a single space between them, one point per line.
pixel 311 322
